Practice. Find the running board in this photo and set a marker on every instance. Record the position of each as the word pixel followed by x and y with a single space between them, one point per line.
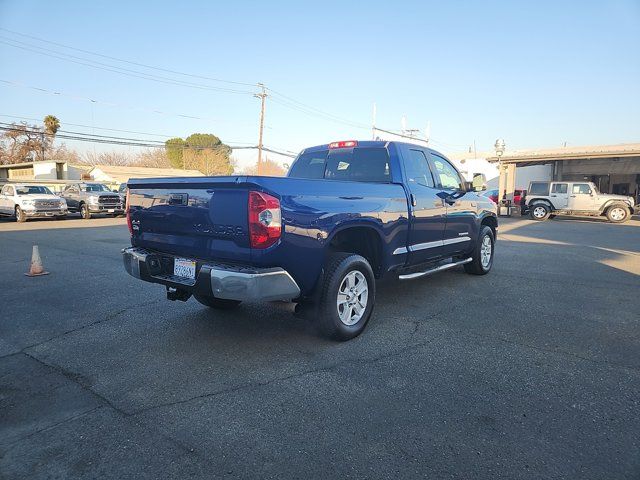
pixel 411 276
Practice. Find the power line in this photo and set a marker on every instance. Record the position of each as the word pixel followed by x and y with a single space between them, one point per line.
pixel 128 61
pixel 109 104
pixel 132 142
pixel 293 103
pixel 115 69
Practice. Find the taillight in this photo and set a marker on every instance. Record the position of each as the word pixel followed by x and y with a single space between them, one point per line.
pixel 344 144
pixel 128 210
pixel 265 221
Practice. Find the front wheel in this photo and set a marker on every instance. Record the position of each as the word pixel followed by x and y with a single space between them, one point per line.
pixel 217 303
pixel 347 296
pixel 84 211
pixel 20 215
pixel 618 214
pixel 482 253
pixel 540 211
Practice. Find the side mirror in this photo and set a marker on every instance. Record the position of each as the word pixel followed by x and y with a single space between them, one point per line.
pixel 479 182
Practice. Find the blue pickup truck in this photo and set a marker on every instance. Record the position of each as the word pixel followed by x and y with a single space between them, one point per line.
pixel 347 214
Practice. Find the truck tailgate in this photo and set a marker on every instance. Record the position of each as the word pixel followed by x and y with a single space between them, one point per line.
pixel 203 218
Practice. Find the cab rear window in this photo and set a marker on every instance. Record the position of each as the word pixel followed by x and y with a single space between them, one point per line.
pixel 350 164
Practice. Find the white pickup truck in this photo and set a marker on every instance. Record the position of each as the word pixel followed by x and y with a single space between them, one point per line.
pixel 28 201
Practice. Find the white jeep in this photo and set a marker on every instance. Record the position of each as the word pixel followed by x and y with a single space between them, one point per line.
pixel 26 201
pixel 547 199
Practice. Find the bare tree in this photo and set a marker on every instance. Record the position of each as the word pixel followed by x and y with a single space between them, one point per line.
pixel 269 168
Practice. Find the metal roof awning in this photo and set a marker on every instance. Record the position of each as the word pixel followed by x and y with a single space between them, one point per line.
pixel 538 157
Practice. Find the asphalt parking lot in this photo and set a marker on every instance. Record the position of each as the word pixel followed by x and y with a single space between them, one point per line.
pixel 530 372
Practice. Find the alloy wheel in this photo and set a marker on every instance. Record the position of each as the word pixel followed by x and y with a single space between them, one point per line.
pixel 352 297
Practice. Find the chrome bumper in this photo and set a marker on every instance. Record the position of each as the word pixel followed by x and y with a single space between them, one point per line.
pixel 44 213
pixel 222 280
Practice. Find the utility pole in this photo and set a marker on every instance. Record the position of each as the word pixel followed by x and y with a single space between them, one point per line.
pixel 262 96
pixel 373 123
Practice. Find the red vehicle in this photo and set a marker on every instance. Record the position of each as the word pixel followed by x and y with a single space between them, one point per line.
pixel 517 194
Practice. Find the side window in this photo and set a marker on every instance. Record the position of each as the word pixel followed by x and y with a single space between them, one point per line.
pixel 447 175
pixel 539 188
pixel 10 191
pixel 309 165
pixel 417 169
pixel 559 188
pixel 581 188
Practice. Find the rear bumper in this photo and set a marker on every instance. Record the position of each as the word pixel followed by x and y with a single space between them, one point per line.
pixel 222 280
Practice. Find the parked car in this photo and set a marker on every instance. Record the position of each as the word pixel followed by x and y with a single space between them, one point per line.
pixel 517 195
pixel 545 199
pixel 122 191
pixel 92 198
pixel 347 213
pixel 28 201
pixel 491 195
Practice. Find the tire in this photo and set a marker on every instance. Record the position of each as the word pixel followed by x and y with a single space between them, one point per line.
pixel 539 211
pixel 84 211
pixel 20 215
pixel 217 303
pixel 618 213
pixel 483 253
pixel 347 296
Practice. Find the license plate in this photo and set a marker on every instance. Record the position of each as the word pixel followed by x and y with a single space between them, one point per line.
pixel 111 210
pixel 183 267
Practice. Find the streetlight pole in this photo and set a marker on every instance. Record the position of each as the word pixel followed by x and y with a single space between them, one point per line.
pixel 500 147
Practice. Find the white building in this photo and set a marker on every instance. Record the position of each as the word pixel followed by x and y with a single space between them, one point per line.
pixel 115 175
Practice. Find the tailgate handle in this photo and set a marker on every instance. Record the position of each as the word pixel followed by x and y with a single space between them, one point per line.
pixel 178 198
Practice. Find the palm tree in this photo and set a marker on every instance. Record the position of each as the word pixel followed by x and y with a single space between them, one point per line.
pixel 51 125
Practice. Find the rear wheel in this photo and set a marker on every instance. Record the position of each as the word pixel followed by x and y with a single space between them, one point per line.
pixel 347 296
pixel 218 303
pixel 539 211
pixel 618 213
pixel 482 253
pixel 20 215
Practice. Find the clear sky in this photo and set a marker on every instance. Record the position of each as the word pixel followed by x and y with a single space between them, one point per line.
pixel 537 74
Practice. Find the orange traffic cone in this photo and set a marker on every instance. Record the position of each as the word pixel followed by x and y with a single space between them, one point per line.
pixel 36 264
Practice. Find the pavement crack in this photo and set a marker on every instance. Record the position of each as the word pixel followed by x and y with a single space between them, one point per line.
pixel 560 352
pixel 108 317
pixel 254 385
pixel 75 378
pixel 14 443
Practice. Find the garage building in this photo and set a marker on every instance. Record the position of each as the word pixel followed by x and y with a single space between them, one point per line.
pixel 613 168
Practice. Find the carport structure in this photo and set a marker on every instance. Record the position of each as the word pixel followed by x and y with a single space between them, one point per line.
pixel 613 168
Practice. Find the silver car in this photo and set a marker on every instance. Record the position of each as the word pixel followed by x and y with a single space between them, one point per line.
pixel 547 199
pixel 91 198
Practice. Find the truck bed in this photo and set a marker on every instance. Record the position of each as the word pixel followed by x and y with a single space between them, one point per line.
pixel 207 218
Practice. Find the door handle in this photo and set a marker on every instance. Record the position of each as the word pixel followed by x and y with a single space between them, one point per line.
pixel 572 196
pixel 412 197
pixel 553 195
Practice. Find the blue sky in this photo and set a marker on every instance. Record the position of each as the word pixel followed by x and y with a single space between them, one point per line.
pixel 537 74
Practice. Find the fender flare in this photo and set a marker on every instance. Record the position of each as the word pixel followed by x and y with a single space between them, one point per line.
pixel 610 203
pixel 540 200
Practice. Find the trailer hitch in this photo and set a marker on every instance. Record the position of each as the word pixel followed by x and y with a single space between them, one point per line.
pixel 174 294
